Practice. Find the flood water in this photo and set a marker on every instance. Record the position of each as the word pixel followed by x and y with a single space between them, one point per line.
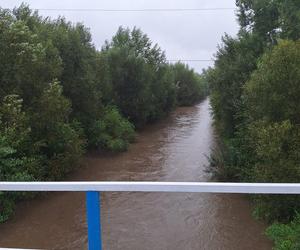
pixel 174 149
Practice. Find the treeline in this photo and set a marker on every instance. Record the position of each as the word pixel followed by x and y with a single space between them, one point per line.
pixel 59 96
pixel 255 95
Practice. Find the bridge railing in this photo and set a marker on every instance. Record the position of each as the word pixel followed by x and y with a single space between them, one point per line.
pixel 93 189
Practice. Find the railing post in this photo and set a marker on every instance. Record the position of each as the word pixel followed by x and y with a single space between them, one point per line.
pixel 93 220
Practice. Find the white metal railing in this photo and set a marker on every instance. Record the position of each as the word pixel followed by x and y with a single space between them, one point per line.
pixel 93 198
pixel 189 187
pixel 17 249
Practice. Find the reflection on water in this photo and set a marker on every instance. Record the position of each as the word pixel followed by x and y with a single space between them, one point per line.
pixel 174 149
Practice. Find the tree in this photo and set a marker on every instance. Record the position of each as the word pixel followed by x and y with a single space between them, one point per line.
pixel 289 19
pixel 78 77
pixel 235 61
pixel 270 20
pixel 259 17
pixel 189 89
pixel 22 57
pixel 58 141
pixel 275 86
pixel 138 76
pixel 16 161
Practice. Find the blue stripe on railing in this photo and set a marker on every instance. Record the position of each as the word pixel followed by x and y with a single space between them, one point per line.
pixel 93 220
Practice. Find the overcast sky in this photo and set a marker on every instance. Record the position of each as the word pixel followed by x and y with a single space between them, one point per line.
pixel 183 35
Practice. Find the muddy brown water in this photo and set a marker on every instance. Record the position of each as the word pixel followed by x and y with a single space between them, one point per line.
pixel 174 149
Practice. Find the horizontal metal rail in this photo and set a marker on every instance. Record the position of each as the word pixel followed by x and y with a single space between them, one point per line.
pixel 17 249
pixel 92 190
pixel 189 187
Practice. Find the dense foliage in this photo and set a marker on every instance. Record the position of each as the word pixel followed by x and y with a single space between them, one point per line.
pixel 255 93
pixel 112 131
pixel 286 236
pixel 59 95
pixel 191 87
pixel 140 83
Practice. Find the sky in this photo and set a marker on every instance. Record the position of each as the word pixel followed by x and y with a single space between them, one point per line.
pixel 186 35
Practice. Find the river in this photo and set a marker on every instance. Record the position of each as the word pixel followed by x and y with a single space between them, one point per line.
pixel 174 149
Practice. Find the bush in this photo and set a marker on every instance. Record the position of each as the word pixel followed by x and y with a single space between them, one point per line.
pixel 286 236
pixel 12 168
pixel 45 151
pixel 66 149
pixel 222 165
pixel 112 132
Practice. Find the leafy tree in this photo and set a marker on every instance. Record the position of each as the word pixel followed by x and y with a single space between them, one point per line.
pixel 131 78
pixel 138 80
pixel 275 86
pixel 260 17
pixel 189 89
pixel 164 92
pixel 16 163
pixel 79 64
pixel 58 141
pixel 235 61
pixel 70 57
pixel 289 19
pixel 22 59
pixel 270 20
pixel 272 114
pixel 138 44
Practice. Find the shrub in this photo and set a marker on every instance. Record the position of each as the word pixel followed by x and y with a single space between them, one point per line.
pixel 112 131
pixel 285 236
